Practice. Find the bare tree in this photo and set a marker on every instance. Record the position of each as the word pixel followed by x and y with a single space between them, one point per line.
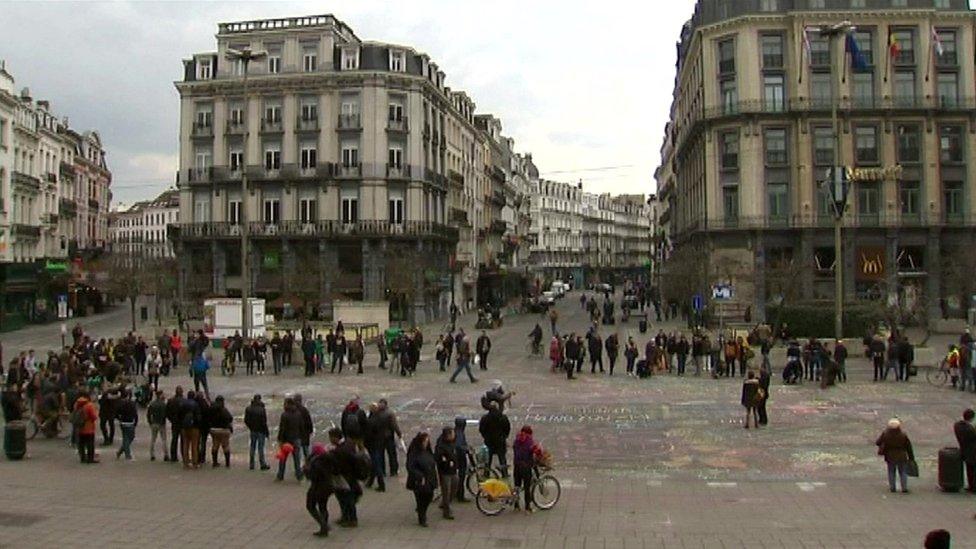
pixel 406 276
pixel 129 276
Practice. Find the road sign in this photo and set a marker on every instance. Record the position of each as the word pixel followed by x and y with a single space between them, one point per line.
pixel 722 292
pixel 62 306
pixel 697 303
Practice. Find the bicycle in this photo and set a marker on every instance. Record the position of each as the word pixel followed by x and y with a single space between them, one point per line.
pixel 479 471
pixel 534 349
pixel 59 426
pixel 937 376
pixel 491 500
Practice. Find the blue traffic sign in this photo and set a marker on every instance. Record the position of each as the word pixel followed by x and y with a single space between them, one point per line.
pixel 697 303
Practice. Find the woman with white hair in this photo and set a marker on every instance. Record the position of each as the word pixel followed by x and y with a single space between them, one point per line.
pixel 894 445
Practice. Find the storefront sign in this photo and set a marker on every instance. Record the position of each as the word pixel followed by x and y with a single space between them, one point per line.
pixel 874 174
pixel 870 263
pixel 56 266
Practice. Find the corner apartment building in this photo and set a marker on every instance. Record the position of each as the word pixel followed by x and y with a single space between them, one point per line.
pixel 140 230
pixel 750 139
pixel 359 159
pixel 45 166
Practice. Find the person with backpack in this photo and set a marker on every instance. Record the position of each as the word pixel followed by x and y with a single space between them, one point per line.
pixel 290 429
pixel 353 422
pixel 190 420
pixel 421 474
pixel 174 414
pixel 752 394
pixel 495 428
pixel 156 418
pixel 199 367
pixel 83 418
pixel 128 418
pixel 256 421
pixel 354 467
pixel 496 394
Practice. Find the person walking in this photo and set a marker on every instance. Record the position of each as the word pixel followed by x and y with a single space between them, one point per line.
pixel 256 421
pixel 896 448
pixel 308 426
pixel 596 352
pixel 200 366
pixel 190 421
pixel 221 427
pixel 421 474
pixel 446 455
pixel 751 397
pixel 87 414
pixel 174 414
pixel 495 428
pixel 154 363
pixel 483 347
pixel 290 432
pixel 966 437
pixel 553 318
pixel 128 418
pixel 461 443
pixel 765 376
pixel 463 360
pixel 322 471
pixel 374 443
pixel 354 422
pixel 354 467
pixel 156 418
pixel 630 354
pixel 840 357
pixel 107 407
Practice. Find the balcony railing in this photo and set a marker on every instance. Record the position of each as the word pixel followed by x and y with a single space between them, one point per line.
pixel 21 230
pixel 28 182
pixel 92 204
pixel 68 207
pixel 459 217
pixel 51 177
pixel 67 171
pixel 202 130
pixel 236 127
pixel 350 122
pixel 50 219
pixel 271 125
pixel 307 124
pixel 401 171
pixel 398 125
pixel 806 221
pixel 318 229
pixel 196 175
pixel 349 170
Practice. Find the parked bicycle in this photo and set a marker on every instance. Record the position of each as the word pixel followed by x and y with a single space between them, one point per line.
pixel 495 495
pixel 937 375
pixel 53 427
pixel 478 470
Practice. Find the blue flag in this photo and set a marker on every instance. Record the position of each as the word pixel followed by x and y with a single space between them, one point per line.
pixel 858 63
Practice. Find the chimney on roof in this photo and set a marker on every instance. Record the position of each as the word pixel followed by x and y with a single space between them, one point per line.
pixel 25 94
pixel 44 103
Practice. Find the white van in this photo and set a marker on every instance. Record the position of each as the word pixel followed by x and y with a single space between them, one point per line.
pixel 559 288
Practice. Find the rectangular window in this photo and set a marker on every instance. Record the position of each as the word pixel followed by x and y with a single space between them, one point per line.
pixel 772 51
pixel 818 4
pixel 272 157
pixel 310 112
pixel 821 90
pixel 863 89
pixel 905 38
pixel 274 63
pixel 236 160
pixel 942 4
pixel 309 156
pixel 908 197
pixel 306 210
pixel 779 205
pixel 865 43
pixel 350 156
pixel 396 206
pixel 726 57
pixel 730 203
pixel 204 70
pixel 272 211
pixel 947 84
pixel 350 206
pixel 868 203
pixel 396 157
pixel 769 5
pixel 730 97
pixel 948 57
pixel 309 60
pixel 905 88
pixel 236 115
pixel 730 150
pixel 775 145
pixel 774 93
pixel 952 198
pixel 398 61
pixel 866 144
pixel 950 144
pixel 350 59
pixel 201 209
pixel 909 143
pixel 819 50
pixel 272 114
pixel 396 112
pixel 234 211
pixel 203 160
pixel 823 146
pixel 204 118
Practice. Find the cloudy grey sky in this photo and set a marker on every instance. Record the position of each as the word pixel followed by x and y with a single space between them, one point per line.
pixel 579 84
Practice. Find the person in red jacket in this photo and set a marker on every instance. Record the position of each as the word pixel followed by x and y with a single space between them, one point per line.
pixel 86 434
pixel 176 344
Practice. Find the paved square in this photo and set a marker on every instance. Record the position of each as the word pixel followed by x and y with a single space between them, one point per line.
pixel 662 462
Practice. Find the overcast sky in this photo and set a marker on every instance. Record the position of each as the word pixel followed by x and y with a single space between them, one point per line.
pixel 579 84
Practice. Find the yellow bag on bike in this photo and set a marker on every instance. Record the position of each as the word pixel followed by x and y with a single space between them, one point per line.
pixel 496 488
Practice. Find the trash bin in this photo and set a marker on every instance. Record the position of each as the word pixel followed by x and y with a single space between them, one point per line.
pixel 950 469
pixel 15 440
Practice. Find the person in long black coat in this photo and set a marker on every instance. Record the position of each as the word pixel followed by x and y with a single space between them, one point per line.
pixel 421 474
pixel 966 436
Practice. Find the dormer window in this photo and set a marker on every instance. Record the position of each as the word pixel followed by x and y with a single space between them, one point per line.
pixel 350 59
pixel 204 70
pixel 398 61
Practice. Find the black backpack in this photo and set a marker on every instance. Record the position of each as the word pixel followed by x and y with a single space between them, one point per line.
pixel 486 401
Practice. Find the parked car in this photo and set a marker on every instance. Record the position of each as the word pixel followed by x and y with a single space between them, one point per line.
pixel 547 298
pixel 558 288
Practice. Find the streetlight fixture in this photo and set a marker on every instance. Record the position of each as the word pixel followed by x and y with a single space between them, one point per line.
pixel 837 178
pixel 244 56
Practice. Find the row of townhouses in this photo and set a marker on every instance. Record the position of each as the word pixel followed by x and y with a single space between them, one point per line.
pixel 54 199
pixel 139 229
pixel 362 167
pixel 751 136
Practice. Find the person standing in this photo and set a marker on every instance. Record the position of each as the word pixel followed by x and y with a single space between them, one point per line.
pixel 354 466
pixel 681 349
pixel 308 354
pixel 190 420
pixel 154 363
pixel 308 426
pixel 221 427
pixel 290 432
pixel 200 365
pixel 421 474
pixel 630 354
pixel 896 448
pixel 840 357
pixel 339 354
pixel 261 354
pixel 287 346
pixel 174 414
pixel 128 418
pixel 553 318
pixel 354 423
pixel 256 421
pixel 446 455
pixel 906 355
pixel 966 437
pixel 156 417
pixel 765 376
pixel 483 347
pixel 375 446
pixel 204 404
pixel 357 352
pixel 612 345
pixel 751 396
pixel 87 413
pixel 495 428
pixel 277 349
pixel 463 360
pixel 524 451
pixel 107 407
pixel 381 349
pixel 876 349
pixel 595 345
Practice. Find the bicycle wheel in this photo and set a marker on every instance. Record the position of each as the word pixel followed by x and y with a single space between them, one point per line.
pixel 546 492
pixel 32 429
pixel 479 475
pixel 936 376
pixel 488 505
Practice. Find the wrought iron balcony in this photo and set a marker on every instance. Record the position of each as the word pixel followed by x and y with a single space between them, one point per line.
pixel 236 127
pixel 316 229
pixel 307 124
pixel 27 182
pixel 350 122
pixel 51 177
pixel 271 125
pixel 93 204
pixel 397 125
pixel 68 207
pixel 21 230
pixel 67 170
pixel 398 171
pixel 202 130
pixel 348 170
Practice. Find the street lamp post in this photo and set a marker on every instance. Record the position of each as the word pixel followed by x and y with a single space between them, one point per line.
pixel 837 181
pixel 244 56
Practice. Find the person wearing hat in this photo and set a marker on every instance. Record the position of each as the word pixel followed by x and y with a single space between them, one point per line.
pixel 256 421
pixel 896 448
pixel 966 436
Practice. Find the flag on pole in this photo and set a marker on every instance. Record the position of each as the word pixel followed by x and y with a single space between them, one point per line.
pixel 893 48
pixel 858 63
pixel 937 43
pixel 805 51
